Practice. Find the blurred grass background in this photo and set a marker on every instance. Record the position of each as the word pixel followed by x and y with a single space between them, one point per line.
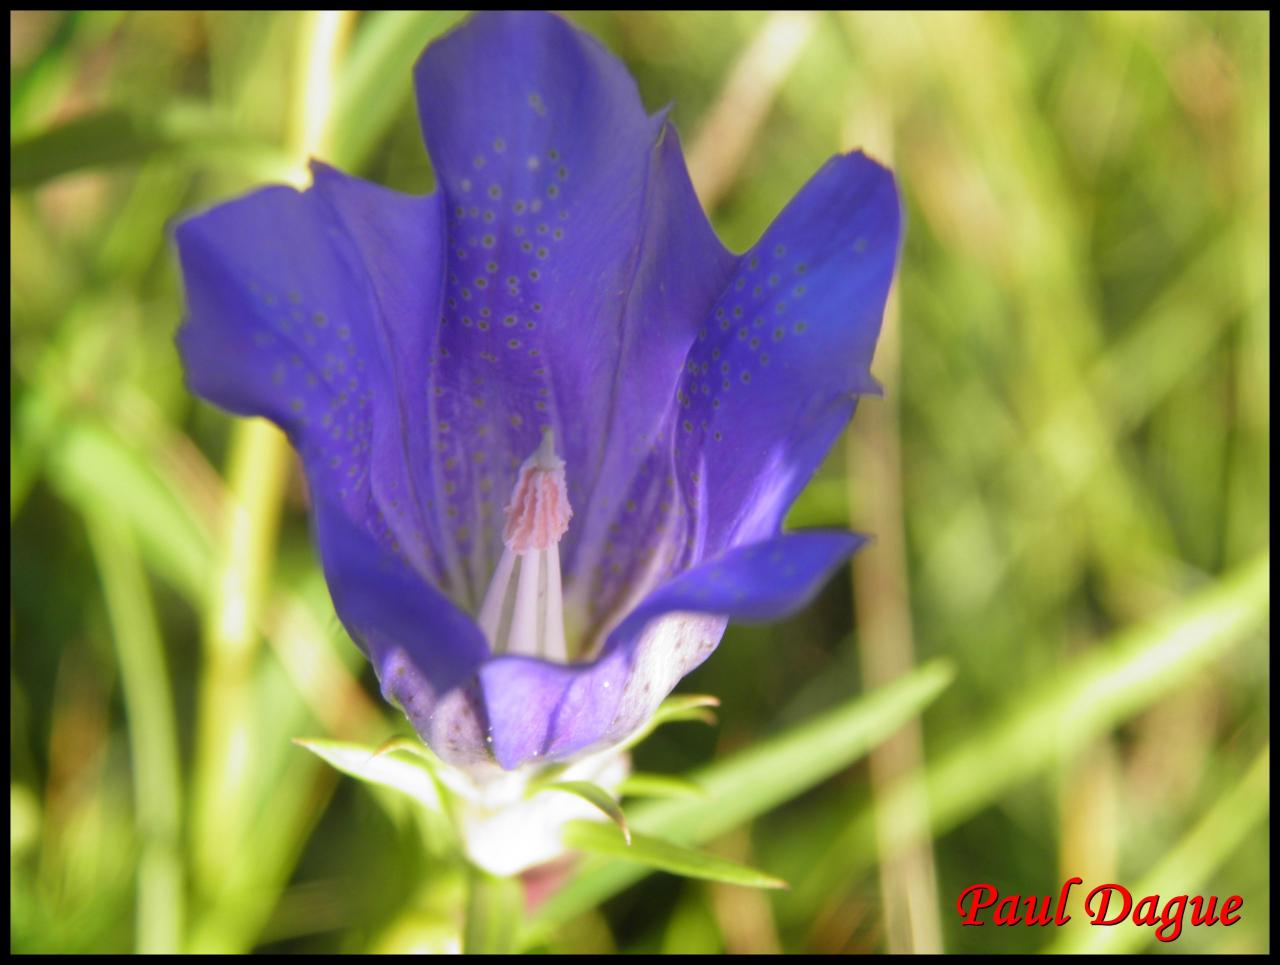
pixel 1068 479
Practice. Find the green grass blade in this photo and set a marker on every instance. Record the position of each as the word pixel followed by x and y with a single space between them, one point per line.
pixel 116 136
pixel 153 742
pixel 90 464
pixel 1114 682
pixel 1189 865
pixel 754 782
pixel 641 784
pixel 376 79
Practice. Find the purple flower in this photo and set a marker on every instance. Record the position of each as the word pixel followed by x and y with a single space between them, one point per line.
pixel 550 425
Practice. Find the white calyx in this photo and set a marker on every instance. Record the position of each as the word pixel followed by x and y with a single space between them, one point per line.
pixel 523 610
pixel 507 830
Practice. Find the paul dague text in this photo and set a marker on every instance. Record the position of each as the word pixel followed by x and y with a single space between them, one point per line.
pixel 1108 904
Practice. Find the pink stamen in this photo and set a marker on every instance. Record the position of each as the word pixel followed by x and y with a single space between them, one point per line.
pixel 539 512
pixel 522 612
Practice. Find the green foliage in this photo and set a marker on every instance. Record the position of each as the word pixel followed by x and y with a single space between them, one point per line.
pixel 494 911
pixel 376 766
pixel 1068 479
pixel 594 795
pixel 371 84
pixel 754 781
pixel 115 137
pixel 659 785
pixel 676 709
pixel 651 852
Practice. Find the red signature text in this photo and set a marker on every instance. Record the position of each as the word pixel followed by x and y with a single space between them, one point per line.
pixel 1107 904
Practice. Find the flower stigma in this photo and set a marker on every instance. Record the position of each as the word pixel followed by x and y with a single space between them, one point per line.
pixel 523 610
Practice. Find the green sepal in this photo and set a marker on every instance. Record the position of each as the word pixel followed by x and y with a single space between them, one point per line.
pixel 417 778
pixel 680 707
pixel 654 852
pixel 593 794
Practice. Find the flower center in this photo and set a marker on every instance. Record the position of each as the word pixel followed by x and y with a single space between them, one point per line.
pixel 523 612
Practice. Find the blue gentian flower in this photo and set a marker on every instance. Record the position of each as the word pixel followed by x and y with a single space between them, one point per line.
pixel 549 424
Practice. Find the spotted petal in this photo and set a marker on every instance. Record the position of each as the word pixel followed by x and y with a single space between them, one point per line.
pixel 767 384
pixel 579 265
pixel 423 648
pixel 311 309
pixel 777 368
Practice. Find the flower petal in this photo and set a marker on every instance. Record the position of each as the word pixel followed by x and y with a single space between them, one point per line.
pixel 422 647
pixel 569 210
pixel 629 535
pixel 316 309
pixel 563 710
pixel 776 370
pixel 756 582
